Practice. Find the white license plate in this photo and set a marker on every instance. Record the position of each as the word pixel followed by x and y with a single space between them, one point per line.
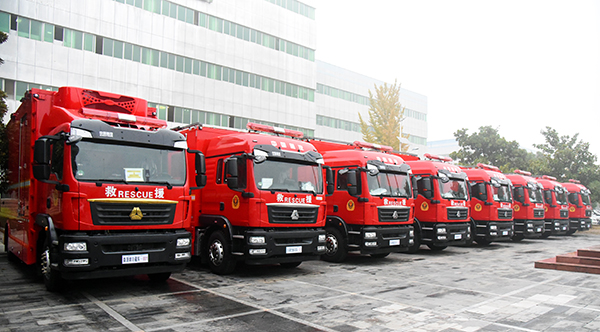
pixel 134 259
pixel 457 236
pixel 504 232
pixel 293 250
pixel 395 242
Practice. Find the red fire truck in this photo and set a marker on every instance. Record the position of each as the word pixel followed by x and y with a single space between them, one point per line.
pixel 442 206
pixel 97 187
pixel 580 206
pixel 264 201
pixel 528 205
pixel 371 208
pixel 556 206
pixel 491 203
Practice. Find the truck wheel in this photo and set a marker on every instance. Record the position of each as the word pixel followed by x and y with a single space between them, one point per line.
pixel 518 237
pixel 290 265
pixel 159 277
pixel 335 246
pixel 220 259
pixel 11 257
pixel 434 247
pixel 379 256
pixel 51 277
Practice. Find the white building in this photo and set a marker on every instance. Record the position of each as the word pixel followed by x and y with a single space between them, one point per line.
pixel 222 62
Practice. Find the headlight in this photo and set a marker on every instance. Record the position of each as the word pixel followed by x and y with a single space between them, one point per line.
pixel 257 239
pixel 183 242
pixel 370 244
pixel 411 233
pixel 370 235
pixel 493 227
pixel 322 237
pixel 257 251
pixel 75 246
pixel 530 225
pixel 441 230
pixel 182 255
pixel 76 262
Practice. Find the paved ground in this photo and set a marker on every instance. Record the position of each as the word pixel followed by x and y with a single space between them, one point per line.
pixel 494 288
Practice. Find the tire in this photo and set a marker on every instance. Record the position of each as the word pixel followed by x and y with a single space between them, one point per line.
pixel 220 260
pixel 379 256
pixel 434 247
pixel 482 241
pixel 52 279
pixel 335 246
pixel 159 277
pixel 290 265
pixel 517 237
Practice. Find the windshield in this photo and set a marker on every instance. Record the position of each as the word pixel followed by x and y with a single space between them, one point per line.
pixel 561 198
pixel 389 184
pixel 585 198
pixel 535 195
pixel 122 163
pixel 288 176
pixel 502 193
pixel 453 189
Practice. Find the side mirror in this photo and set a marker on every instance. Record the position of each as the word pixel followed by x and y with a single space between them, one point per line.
pixel 200 170
pixel 41 158
pixel 427 187
pixel 481 191
pixel 329 180
pixel 415 188
pixel 353 183
pixel 520 194
pixel 231 173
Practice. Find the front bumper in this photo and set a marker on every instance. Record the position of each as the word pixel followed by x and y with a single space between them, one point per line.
pixel 446 234
pixel 380 239
pixel 530 228
pixel 557 226
pixel 280 245
pixel 495 230
pixel 121 254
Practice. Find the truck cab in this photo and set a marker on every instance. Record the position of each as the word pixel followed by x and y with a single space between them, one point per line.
pixel 491 203
pixel 264 199
pixel 99 187
pixel 371 209
pixel 580 206
pixel 528 207
pixel 442 206
pixel 556 206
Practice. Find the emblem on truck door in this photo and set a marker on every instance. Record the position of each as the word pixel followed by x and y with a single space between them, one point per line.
pixel 295 215
pixel 136 214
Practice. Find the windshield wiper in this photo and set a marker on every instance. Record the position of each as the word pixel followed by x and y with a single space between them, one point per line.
pixel 167 183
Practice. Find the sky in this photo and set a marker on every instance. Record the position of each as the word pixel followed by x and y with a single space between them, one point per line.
pixel 517 66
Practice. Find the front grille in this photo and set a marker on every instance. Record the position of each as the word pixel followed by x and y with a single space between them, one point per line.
pixel 129 213
pixel 564 213
pixel 458 213
pixel 505 213
pixel 396 214
pixel 538 213
pixel 134 247
pixel 292 214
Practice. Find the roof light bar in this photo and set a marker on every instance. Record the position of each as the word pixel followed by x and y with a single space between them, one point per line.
pixel 488 167
pixel 123 118
pixel 518 171
pixel 436 157
pixel 548 177
pixel 574 181
pixel 373 146
pixel 274 130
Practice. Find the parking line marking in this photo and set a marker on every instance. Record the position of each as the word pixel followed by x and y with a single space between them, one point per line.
pixel 113 314
pixel 253 305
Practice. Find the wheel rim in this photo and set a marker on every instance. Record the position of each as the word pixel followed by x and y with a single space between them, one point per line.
pixel 216 253
pixel 332 244
pixel 45 263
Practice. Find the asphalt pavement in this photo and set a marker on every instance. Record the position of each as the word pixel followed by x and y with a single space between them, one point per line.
pixel 478 288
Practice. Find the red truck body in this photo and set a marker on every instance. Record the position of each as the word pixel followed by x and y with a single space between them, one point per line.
pixel 528 206
pixel 97 187
pixel 491 204
pixel 556 206
pixel 371 208
pixel 442 206
pixel 264 201
pixel 580 206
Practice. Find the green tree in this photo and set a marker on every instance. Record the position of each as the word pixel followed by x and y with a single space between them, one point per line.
pixel 488 147
pixel 567 157
pixel 3 137
pixel 385 117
